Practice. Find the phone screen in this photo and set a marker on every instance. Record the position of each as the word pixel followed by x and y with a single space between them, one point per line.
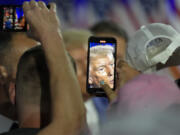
pixel 7 18
pixel 19 19
pixel 12 18
pixel 101 64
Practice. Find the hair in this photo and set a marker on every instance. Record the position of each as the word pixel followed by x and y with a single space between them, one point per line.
pixel 32 76
pixel 76 38
pixel 109 27
pixel 32 79
pixel 100 50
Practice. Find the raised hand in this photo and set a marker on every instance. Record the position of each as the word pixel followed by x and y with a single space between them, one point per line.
pixel 41 19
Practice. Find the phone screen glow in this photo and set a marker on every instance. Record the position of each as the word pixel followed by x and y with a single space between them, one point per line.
pixel 19 19
pixel 8 18
pixel 12 18
pixel 101 64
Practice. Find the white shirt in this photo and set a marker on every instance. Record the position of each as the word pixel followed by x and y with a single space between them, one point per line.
pixel 92 117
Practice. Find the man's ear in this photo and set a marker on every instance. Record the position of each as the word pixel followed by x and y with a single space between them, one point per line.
pixel 12 92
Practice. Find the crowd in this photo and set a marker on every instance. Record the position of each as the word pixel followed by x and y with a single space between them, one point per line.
pixel 43 80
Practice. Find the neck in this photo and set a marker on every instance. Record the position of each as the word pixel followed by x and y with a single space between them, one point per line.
pixel 29 118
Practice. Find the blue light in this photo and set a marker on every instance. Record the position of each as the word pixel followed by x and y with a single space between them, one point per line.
pixel 19 12
pixel 17 2
pixel 93 44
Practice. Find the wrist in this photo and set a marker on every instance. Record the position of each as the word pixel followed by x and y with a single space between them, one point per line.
pixel 50 35
pixel 52 43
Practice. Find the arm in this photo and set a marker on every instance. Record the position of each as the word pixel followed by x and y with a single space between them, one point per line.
pixel 68 112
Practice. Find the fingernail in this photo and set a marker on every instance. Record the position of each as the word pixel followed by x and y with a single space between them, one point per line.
pixel 102 82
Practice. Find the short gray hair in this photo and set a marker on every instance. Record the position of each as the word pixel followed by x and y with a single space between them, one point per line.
pixel 101 50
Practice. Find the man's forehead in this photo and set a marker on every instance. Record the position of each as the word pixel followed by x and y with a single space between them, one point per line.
pixel 99 60
pixel 103 55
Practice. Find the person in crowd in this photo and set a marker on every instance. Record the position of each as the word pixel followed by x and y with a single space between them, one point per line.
pixel 68 112
pixel 140 105
pixel 124 71
pixel 33 103
pixel 76 42
pixel 156 46
pixel 160 45
pixel 5 123
pixel 145 94
pixel 12 45
pixel 32 94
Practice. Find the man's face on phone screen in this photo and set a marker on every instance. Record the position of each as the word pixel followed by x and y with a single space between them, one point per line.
pixel 102 69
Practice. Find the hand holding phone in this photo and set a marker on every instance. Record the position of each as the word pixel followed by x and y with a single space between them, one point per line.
pixel 111 95
pixel 101 64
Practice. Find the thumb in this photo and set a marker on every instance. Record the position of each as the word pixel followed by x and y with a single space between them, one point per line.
pixel 109 92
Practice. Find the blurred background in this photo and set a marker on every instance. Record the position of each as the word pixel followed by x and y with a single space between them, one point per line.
pixel 129 14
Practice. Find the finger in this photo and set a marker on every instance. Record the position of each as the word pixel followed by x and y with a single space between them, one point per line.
pixel 52 7
pixel 42 5
pixel 33 4
pixel 26 6
pixel 109 92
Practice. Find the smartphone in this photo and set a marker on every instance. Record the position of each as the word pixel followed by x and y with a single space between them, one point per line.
pixel 101 63
pixel 12 18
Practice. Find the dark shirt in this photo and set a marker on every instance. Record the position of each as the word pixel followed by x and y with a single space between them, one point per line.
pixel 14 126
pixel 178 82
pixel 23 131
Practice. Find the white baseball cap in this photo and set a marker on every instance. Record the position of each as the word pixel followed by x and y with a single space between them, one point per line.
pixel 152 44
